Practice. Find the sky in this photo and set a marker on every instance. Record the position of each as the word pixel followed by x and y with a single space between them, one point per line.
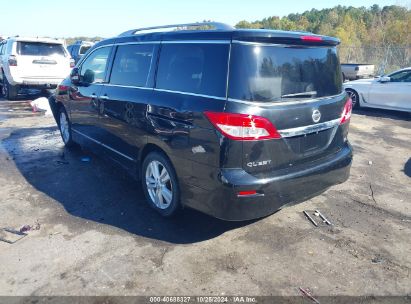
pixel 107 18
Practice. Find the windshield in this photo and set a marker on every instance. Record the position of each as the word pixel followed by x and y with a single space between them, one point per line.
pixel 282 73
pixel 39 49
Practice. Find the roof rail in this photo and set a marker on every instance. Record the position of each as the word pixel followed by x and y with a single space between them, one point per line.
pixel 215 25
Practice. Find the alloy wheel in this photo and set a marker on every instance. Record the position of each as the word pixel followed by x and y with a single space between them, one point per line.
pixel 64 127
pixel 159 185
pixel 353 97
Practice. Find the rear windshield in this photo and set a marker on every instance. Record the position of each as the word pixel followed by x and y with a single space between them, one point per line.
pixel 39 49
pixel 278 73
pixel 84 49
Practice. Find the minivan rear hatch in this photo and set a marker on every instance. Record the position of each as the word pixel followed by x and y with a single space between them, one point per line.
pixel 295 82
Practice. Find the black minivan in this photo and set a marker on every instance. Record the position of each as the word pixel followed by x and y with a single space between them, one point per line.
pixel 234 123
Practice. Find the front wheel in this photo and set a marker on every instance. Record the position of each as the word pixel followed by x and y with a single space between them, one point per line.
pixel 160 184
pixel 65 127
pixel 355 98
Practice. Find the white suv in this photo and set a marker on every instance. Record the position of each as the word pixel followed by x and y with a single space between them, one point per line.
pixel 32 63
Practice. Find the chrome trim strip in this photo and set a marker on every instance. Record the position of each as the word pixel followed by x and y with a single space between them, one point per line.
pixel 278 44
pixel 104 145
pixel 125 86
pixel 195 41
pixel 256 43
pixel 190 94
pixel 284 103
pixel 251 195
pixel 309 129
pixel 228 72
pixel 139 42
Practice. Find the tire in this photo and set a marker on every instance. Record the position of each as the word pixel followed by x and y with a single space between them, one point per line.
pixel 160 187
pixel 355 97
pixel 7 90
pixel 64 125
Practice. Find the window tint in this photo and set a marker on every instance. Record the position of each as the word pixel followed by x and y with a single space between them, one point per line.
pixel 194 68
pixel 272 73
pixel 93 69
pixel 39 49
pixel 403 76
pixel 132 65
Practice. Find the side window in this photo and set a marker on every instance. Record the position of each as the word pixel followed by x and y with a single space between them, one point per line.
pixel 132 64
pixel 404 76
pixel 93 69
pixel 194 68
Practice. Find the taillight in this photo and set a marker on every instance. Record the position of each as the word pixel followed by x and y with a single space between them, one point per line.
pixel 243 126
pixel 311 38
pixel 247 193
pixel 72 63
pixel 12 60
pixel 346 114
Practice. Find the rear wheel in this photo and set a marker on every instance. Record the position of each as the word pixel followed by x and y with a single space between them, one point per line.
pixel 65 127
pixel 354 97
pixel 7 90
pixel 160 184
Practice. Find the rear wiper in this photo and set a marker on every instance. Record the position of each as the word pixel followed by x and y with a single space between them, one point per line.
pixel 301 94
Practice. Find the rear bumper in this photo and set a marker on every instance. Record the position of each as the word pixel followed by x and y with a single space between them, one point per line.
pixel 274 192
pixel 47 83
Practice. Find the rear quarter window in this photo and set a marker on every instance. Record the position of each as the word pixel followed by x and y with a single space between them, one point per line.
pixel 194 68
pixel 39 49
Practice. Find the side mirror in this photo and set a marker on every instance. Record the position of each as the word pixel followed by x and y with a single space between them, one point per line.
pixel 385 79
pixel 75 76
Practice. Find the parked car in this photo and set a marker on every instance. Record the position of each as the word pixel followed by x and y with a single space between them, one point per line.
pixel 392 91
pixel 353 71
pixel 32 63
pixel 234 123
pixel 79 48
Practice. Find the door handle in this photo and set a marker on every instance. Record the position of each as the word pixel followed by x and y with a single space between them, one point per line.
pixel 93 95
pixel 104 97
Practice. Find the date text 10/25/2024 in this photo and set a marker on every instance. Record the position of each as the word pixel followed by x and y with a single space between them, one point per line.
pixel 203 299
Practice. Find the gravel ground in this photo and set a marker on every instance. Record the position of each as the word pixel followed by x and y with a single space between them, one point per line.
pixel 97 236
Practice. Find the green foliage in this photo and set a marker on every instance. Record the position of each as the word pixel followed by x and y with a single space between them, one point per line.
pixel 355 27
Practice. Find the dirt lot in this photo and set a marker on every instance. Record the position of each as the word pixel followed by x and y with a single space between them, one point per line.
pixel 97 236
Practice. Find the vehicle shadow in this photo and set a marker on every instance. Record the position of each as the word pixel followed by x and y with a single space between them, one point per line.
pixel 28 94
pixel 380 113
pixel 101 192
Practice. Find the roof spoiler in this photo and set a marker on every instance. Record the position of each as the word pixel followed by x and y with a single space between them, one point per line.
pixel 180 27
